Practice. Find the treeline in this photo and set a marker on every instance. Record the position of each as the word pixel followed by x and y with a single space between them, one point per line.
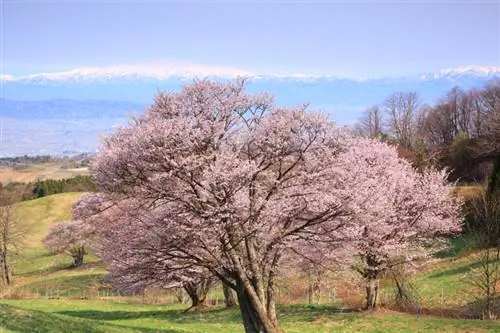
pixel 33 190
pixel 18 162
pixel 449 133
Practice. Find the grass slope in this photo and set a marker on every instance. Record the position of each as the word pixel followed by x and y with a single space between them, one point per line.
pixel 39 276
pixel 37 272
pixel 98 316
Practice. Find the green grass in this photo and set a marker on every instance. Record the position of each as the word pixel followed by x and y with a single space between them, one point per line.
pixel 100 316
pixel 44 276
pixel 37 272
pixel 41 213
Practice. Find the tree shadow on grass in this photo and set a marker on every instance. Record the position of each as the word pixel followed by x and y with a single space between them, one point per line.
pixel 298 313
pixel 458 246
pixel 74 285
pixel 213 315
pixel 20 320
pixel 62 267
pixel 454 271
pixel 309 313
pixel 46 271
pixel 458 270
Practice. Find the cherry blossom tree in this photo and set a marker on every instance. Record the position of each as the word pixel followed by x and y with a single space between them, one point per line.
pixel 212 179
pixel 136 248
pixel 232 181
pixel 399 214
pixel 66 237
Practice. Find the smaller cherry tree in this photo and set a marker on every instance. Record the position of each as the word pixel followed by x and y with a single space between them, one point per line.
pixel 135 248
pixel 400 214
pixel 66 237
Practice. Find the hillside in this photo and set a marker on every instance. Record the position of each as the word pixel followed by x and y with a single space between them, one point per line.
pixel 48 296
pixel 42 171
pixel 38 272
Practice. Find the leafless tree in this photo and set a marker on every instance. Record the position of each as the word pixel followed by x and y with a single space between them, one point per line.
pixel 436 126
pixel 486 277
pixel 402 109
pixel 490 103
pixel 371 122
pixel 12 233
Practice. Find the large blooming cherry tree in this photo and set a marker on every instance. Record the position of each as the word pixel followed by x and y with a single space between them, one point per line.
pixel 212 179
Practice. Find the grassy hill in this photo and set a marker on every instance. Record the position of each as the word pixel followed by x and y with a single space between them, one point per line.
pixel 49 296
pixel 37 272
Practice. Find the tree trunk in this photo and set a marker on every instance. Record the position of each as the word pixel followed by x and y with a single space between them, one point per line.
pixel 78 255
pixel 494 179
pixel 372 286
pixel 229 297
pixel 256 317
pixel 271 302
pixel 5 268
pixel 310 293
pixel 197 292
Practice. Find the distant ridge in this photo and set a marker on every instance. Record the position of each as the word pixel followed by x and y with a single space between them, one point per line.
pixel 162 73
pixel 69 110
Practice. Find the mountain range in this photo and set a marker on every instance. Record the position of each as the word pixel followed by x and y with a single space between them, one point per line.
pixel 65 112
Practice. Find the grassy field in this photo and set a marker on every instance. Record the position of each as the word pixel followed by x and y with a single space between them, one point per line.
pixel 101 316
pixel 49 296
pixel 37 272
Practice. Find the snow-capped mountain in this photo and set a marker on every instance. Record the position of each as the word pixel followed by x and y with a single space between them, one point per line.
pixel 111 73
pixel 164 73
pixel 464 71
pixel 55 105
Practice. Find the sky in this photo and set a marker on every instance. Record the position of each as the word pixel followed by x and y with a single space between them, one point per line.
pixel 345 38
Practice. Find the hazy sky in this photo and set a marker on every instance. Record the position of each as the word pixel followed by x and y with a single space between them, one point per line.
pixel 351 38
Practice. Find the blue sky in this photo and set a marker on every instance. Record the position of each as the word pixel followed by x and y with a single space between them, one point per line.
pixel 368 38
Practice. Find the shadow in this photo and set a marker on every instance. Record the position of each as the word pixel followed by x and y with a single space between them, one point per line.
pixel 219 315
pixel 207 315
pixel 458 246
pixel 454 271
pixel 309 313
pixel 48 270
pixel 459 270
pixel 74 285
pixel 41 255
pixel 451 313
pixel 20 320
pixel 471 311
pixel 63 267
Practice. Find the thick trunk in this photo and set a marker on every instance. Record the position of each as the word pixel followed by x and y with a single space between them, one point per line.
pixel 256 317
pixel 197 292
pixel 229 297
pixel 271 303
pixel 374 266
pixel 372 286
